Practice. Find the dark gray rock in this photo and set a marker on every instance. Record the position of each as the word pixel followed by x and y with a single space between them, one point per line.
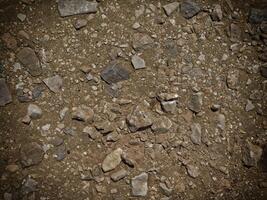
pixel 257 16
pixel 189 9
pixel 114 73
pixel 31 154
pixel 60 152
pixel 116 176
pixel 195 102
pixel 76 7
pixel 5 96
pixel 139 185
pixel 54 83
pixel 30 61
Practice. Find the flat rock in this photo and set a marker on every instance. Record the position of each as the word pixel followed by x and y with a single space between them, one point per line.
pixel 80 23
pixel 34 111
pixel 167 96
pixel 189 9
pixel 112 160
pixel 169 106
pixel 83 113
pixel 140 118
pixel 5 96
pixel 196 133
pixel 76 7
pixel 251 154
pixel 257 16
pixel 31 154
pixel 161 125
pixel 114 73
pixel 60 152
pixel 116 176
pixel 196 102
pixel 138 62
pixel 192 170
pixel 249 106
pixel 54 83
pixel 30 61
pixel 142 41
pixel 170 8
pixel 139 185
pixel 104 127
pixel 92 132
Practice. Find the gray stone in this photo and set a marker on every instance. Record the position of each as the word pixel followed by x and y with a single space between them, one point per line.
pixel 21 17
pixel 220 120
pixel 217 13
pixel 189 9
pixel 30 61
pixel 142 41
pixel 233 79
pixel 80 23
pixel 114 73
pixel 60 152
pixel 31 154
pixel 167 96
pixel 257 16
pixel 140 118
pixel 165 190
pixel 34 112
pixel 5 96
pixel 196 102
pixel 92 132
pixel 112 160
pixel 127 160
pixel 29 185
pixel 54 83
pixel 192 170
pixel 139 185
pixel 161 125
pixel 235 32
pixel 104 127
pixel 170 8
pixel 83 113
pixel 251 154
pixel 119 175
pixel 196 133
pixel 136 25
pixel 249 106
pixel 76 7
pixel 138 62
pixel 113 137
pixel 169 106
pixel 63 113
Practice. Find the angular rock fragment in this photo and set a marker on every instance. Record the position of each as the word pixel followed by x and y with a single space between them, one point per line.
pixel 257 16
pixel 192 170
pixel 232 79
pixel 5 96
pixel 104 127
pixel 31 154
pixel 116 176
pixel 76 7
pixel 139 185
pixel 235 33
pixel 142 41
pixel 217 13
pixel 249 106
pixel 161 125
pixel 60 152
pixel 30 61
pixel 80 23
pixel 251 154
pixel 140 118
pixel 165 190
pixel 114 73
pixel 83 113
pixel 169 106
pixel 195 102
pixel 54 83
pixel 34 112
pixel 92 132
pixel 112 160
pixel 196 133
pixel 138 62
pixel 167 96
pixel 170 8
pixel 189 9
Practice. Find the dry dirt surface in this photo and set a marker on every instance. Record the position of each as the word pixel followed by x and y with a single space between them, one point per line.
pixel 133 99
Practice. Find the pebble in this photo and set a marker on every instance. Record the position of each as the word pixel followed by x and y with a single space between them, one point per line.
pixel 249 106
pixel 220 120
pixel 192 171
pixel 92 132
pixel 165 190
pixel 233 79
pixel 196 133
pixel 136 25
pixel 139 185
pixel 34 112
pixel 63 113
pixel 142 41
pixel 76 7
pixel 217 13
pixel 80 23
pixel 170 8
pixel 114 73
pixel 104 127
pixel 60 152
pixel 251 154
pixel 138 62
pixel 54 83
pixel 161 125
pixel 21 17
pixel 30 61
pixel 83 113
pixel 116 176
pixel 29 185
pixel 5 95
pixel 189 9
pixel 169 106
pixel 140 118
pixel 196 102
pixel 112 160
pixel 31 154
